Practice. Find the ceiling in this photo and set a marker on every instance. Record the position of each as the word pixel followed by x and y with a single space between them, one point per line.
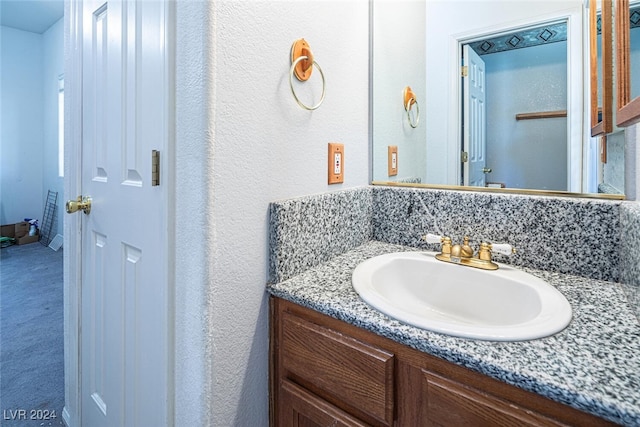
pixel 35 16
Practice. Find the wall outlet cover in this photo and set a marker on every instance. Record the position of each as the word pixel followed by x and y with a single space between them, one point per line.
pixel 336 163
pixel 392 155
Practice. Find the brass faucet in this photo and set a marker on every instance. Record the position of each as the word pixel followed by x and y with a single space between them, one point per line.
pixel 464 255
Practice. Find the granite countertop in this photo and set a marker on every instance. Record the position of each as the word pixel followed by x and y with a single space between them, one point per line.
pixel 592 365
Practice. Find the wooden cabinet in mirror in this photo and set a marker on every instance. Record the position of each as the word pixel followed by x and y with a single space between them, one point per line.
pixel 601 62
pixel 628 107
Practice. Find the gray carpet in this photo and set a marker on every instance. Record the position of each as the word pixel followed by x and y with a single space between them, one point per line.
pixel 31 336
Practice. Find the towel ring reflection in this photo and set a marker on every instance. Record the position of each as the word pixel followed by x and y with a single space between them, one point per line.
pixel 408 108
pixel 324 85
pixel 409 100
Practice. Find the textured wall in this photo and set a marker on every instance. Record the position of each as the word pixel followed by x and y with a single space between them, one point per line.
pixel 22 129
pixel 31 64
pixel 193 225
pixel 242 142
pixel 265 147
pixel 53 67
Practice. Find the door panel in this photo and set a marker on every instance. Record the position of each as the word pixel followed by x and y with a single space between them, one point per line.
pixel 95 329
pixel 124 344
pixel 474 118
pixel 96 98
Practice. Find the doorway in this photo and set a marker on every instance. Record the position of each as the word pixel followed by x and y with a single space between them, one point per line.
pixel 526 128
pixel 117 289
pixel 32 377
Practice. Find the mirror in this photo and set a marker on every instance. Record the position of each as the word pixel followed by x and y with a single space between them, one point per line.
pixel 627 57
pixel 601 67
pixel 420 44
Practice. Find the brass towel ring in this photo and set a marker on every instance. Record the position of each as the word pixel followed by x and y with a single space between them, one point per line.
pixel 302 63
pixel 409 100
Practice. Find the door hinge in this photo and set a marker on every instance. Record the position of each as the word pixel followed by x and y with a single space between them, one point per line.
pixel 464 157
pixel 155 168
pixel 464 71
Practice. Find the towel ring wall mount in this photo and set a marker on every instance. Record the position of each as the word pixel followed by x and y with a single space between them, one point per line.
pixel 302 62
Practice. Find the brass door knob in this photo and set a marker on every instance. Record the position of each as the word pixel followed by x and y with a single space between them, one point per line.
pixel 486 170
pixel 81 204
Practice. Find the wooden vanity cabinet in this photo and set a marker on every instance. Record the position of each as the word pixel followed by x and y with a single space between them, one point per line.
pixel 325 372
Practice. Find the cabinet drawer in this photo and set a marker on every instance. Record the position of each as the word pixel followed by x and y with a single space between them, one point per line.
pixel 302 409
pixel 451 403
pixel 339 368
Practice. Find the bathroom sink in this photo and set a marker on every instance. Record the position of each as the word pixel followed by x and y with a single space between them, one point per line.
pixel 502 305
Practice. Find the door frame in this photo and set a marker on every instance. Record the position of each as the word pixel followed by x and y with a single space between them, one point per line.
pixel 72 223
pixel 576 132
pixel 72 257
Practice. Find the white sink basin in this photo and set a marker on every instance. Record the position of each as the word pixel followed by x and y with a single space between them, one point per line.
pixel 502 305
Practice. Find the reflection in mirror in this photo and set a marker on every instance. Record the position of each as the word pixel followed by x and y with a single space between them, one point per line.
pixel 524 95
pixel 601 67
pixel 432 35
pixel 398 60
pixel 628 61
pixel 634 47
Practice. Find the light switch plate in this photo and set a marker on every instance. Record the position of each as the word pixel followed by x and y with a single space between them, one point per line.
pixel 336 163
pixel 392 151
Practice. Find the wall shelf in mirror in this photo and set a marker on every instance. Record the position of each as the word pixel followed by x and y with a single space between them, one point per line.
pixel 628 107
pixel 541 115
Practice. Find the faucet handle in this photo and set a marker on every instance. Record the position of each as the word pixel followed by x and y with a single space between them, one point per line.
pixel 484 253
pixel 445 247
pixel 502 249
pixel 432 238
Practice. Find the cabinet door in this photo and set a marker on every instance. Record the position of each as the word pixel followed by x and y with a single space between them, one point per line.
pixel 299 408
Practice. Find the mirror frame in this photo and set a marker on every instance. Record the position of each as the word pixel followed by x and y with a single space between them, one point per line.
pixel 628 109
pixel 605 124
pixel 518 191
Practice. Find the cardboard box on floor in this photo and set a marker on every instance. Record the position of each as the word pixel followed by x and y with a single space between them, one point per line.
pixel 8 230
pixel 20 232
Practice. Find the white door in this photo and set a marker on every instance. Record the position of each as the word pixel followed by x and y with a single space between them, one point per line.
pixel 474 119
pixel 124 291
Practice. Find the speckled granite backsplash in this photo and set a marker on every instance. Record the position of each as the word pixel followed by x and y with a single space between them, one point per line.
pixel 598 239
pixel 630 253
pixel 565 235
pixel 310 230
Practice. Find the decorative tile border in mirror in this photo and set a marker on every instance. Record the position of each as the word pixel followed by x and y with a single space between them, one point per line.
pixel 634 16
pixel 521 39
